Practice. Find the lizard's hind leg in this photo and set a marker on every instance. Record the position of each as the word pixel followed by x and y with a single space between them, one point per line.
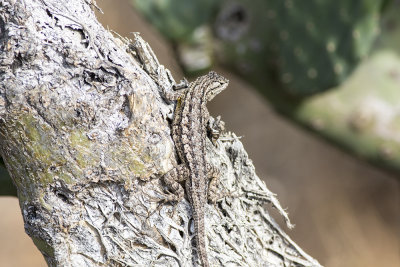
pixel 172 180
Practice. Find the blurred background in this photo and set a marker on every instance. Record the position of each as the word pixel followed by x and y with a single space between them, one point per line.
pixel 332 71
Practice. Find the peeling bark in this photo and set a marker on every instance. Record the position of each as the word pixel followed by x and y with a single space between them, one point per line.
pixel 85 137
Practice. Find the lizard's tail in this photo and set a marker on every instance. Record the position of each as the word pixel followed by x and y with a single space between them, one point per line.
pixel 201 240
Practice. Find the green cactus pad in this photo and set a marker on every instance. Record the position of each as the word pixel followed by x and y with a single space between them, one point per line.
pixel 321 42
pixel 177 19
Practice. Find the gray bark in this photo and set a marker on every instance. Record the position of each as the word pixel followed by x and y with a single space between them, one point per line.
pixel 85 137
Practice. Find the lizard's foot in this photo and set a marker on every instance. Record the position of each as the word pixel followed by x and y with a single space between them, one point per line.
pixel 172 179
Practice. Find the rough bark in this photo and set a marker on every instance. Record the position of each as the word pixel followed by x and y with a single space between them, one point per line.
pixel 85 136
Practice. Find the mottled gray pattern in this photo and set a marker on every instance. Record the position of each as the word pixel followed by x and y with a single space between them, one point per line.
pixel 189 131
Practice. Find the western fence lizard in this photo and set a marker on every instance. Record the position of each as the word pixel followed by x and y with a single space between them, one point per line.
pixel 189 132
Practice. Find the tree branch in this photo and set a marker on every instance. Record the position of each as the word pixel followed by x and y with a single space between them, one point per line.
pixel 85 137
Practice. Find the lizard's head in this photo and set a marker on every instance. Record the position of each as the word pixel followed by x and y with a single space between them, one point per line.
pixel 214 83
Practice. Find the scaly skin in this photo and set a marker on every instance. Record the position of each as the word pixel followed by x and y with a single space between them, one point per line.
pixel 189 132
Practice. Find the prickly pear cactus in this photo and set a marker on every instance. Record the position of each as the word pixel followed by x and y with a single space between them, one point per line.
pixel 187 25
pixel 307 46
pixel 245 39
pixel 304 47
pixel 177 19
pixel 321 42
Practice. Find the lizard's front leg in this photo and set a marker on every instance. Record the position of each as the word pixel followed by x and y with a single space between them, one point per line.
pixel 172 180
